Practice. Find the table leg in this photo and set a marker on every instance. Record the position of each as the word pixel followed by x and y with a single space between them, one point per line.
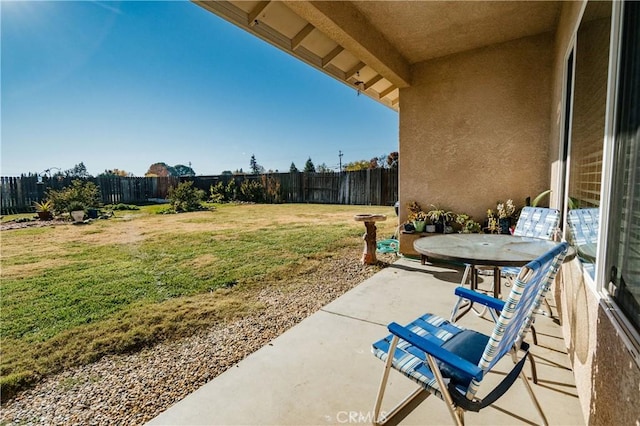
pixel 496 282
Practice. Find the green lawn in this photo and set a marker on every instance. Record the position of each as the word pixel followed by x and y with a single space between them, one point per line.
pixel 73 293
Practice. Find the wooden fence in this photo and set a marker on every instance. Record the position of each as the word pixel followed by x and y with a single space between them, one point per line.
pixel 365 187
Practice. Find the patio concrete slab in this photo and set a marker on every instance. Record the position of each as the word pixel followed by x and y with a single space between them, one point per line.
pixel 322 370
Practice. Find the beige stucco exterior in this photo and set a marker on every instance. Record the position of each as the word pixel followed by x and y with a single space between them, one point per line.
pixel 607 378
pixel 480 89
pixel 474 128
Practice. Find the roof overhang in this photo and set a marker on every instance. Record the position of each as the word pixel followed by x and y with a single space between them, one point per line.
pixel 372 45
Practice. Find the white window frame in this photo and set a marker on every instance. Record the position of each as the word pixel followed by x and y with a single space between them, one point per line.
pixel 622 325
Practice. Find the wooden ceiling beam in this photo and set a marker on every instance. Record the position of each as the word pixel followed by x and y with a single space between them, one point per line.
pixel 299 38
pixel 251 17
pixel 352 72
pixel 331 56
pixel 386 91
pixel 348 27
pixel 373 81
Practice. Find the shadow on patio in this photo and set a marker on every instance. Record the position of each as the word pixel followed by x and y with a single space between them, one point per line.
pixel 322 370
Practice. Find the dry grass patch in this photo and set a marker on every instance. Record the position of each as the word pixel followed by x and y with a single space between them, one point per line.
pixel 76 293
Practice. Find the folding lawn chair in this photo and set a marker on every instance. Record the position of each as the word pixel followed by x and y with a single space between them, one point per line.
pixel 450 362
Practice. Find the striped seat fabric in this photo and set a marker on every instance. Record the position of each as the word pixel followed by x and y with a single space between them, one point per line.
pixel 537 222
pixel 582 233
pixel 450 361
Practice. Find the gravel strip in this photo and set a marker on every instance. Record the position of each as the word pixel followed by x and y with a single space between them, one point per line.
pixel 132 389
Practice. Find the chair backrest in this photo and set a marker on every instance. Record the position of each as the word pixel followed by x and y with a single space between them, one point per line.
pixel 583 226
pixel 515 320
pixel 537 222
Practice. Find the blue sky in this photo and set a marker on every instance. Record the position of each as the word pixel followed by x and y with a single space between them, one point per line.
pixel 127 84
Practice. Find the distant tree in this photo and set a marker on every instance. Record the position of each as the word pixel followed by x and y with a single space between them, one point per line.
pixel 227 173
pixel 293 168
pixel 160 170
pixel 238 171
pixel 309 167
pixel 256 168
pixel 77 171
pixel 323 168
pixel 373 163
pixel 115 172
pixel 357 165
pixel 392 160
pixel 182 170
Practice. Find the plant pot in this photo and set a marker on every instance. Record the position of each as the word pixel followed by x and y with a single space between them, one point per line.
pixel 448 229
pixel 77 215
pixel 505 224
pixel 92 213
pixel 419 225
pixel 45 215
pixel 430 228
pixel 439 228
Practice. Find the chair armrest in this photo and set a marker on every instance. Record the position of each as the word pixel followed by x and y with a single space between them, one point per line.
pixel 436 351
pixel 480 298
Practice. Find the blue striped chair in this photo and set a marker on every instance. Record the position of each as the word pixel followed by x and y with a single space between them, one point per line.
pixel 450 361
pixel 583 234
pixel 535 222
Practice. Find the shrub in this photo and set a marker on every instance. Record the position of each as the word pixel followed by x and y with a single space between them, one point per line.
pixel 85 193
pixel 122 206
pixel 231 192
pixel 185 198
pixel 75 206
pixel 251 190
pixel 217 193
pixel 272 192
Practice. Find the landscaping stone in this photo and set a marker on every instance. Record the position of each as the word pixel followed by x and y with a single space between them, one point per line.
pixel 132 389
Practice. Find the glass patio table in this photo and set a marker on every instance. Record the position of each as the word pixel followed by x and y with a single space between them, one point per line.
pixel 492 250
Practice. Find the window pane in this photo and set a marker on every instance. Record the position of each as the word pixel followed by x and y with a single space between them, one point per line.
pixel 624 239
pixel 587 130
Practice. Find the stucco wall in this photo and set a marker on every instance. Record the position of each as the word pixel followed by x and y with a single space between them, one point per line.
pixel 474 128
pixel 607 378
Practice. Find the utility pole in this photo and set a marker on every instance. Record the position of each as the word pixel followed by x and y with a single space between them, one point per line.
pixel 340 155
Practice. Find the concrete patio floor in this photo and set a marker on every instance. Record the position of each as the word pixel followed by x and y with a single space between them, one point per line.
pixel 322 370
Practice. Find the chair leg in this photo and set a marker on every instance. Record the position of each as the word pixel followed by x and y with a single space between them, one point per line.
pixel 380 420
pixel 533 398
pixel 457 414
pixel 534 370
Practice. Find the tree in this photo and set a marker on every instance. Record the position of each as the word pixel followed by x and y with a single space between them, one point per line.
pixel 182 170
pixel 160 170
pixel 256 168
pixel 357 165
pixel 309 167
pixel 392 160
pixel 293 168
pixel 226 173
pixel 323 168
pixel 77 171
pixel 115 172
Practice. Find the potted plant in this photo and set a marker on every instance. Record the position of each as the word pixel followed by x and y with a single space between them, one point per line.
pixel 76 210
pixel 440 218
pixel 417 217
pixel 468 225
pixel 506 216
pixel 44 209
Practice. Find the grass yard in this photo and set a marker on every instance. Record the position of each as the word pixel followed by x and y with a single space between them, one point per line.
pixel 74 293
